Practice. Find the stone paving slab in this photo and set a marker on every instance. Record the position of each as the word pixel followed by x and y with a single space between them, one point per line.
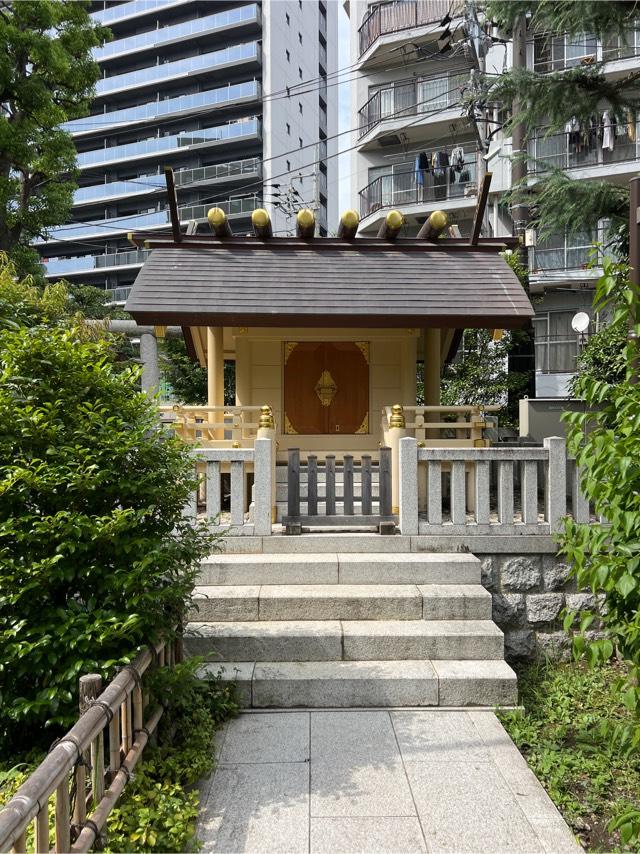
pixel 375 781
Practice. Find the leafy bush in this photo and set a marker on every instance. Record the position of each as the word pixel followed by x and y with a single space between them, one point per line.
pixel 95 555
pixel 606 556
pixel 159 808
pixel 563 731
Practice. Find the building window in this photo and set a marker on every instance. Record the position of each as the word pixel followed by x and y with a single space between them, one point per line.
pixel 286 14
pixel 288 56
pixel 300 107
pixel 288 129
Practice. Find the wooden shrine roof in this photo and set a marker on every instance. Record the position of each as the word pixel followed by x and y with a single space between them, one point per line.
pixel 366 282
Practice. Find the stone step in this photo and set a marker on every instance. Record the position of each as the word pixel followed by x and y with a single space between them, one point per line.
pixel 353 684
pixel 335 640
pixel 341 602
pixel 346 568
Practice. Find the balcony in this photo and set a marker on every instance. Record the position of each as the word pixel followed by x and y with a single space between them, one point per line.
pixel 394 17
pixel 237 130
pixel 410 98
pixel 220 97
pixel 111 226
pixel 55 267
pixel 558 53
pixel 403 188
pixel 155 74
pixel 135 8
pixel 585 152
pixel 235 170
pixel 206 25
pixel 563 259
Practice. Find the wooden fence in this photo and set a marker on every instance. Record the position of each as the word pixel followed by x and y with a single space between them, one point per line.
pixel 460 491
pixel 85 781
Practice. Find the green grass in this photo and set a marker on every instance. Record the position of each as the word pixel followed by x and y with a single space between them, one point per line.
pixel 562 732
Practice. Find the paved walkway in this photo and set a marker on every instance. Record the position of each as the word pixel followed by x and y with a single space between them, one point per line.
pixel 375 781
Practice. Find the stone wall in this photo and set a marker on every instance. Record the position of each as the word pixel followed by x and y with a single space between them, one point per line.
pixel 529 593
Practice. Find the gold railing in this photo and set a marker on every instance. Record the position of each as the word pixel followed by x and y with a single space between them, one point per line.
pixel 435 425
pixel 218 426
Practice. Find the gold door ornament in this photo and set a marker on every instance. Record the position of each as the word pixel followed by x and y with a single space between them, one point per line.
pixel 326 388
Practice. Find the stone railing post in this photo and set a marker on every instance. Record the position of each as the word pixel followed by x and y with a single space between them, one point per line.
pixel 397 431
pixel 556 494
pixel 408 486
pixel 263 477
pixel 267 430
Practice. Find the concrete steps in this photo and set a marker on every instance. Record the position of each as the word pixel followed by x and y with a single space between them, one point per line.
pixel 349 628
pixel 341 602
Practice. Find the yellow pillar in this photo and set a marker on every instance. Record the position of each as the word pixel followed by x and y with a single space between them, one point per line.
pixel 215 373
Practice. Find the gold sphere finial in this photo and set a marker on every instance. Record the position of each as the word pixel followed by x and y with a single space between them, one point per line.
pixel 260 217
pixel 216 217
pixel 350 218
pixel 397 416
pixel 306 218
pixel 395 219
pixel 439 219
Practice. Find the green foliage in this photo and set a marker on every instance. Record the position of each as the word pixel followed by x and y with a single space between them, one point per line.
pixel 93 302
pixel 47 76
pixel 571 16
pixel 188 379
pixel 158 809
pixel 480 374
pixel 95 555
pixel 603 357
pixel 563 731
pixel 605 557
pixel 558 204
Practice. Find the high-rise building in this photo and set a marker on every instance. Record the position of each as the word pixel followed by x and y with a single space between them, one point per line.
pixel 416 149
pixel 231 95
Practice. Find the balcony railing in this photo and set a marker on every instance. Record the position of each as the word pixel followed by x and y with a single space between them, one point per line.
pixel 110 225
pixel 117 295
pixel 410 98
pixel 135 7
pixel 157 37
pixel 249 167
pixel 250 90
pixel 557 53
pixel 582 150
pixel 88 263
pixel 567 256
pixel 392 17
pixel 405 188
pixel 154 145
pixel 159 73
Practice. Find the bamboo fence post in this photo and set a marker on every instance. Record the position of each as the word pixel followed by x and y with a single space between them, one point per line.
pixel 138 720
pixel 114 745
pixel 179 646
pixel 42 829
pixel 63 825
pixel 90 690
pixel 89 687
pixel 125 719
pixel 20 845
pixel 161 657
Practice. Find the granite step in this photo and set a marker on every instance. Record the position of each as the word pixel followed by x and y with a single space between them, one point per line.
pixel 299 567
pixel 353 684
pixel 349 640
pixel 219 603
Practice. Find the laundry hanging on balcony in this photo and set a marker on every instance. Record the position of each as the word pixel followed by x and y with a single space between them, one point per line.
pixel 608 136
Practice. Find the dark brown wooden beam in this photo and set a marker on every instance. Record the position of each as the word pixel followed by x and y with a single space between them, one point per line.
pixel 173 204
pixel 480 209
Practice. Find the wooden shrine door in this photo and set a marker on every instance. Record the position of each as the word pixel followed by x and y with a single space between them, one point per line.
pixel 326 387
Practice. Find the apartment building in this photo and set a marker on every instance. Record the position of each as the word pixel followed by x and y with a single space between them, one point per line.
pixel 232 95
pixel 416 150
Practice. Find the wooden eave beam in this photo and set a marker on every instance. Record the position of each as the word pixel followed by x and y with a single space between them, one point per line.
pixel 202 241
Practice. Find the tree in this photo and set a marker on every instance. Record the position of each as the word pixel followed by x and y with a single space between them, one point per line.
pixel 549 100
pixel 47 77
pixel 95 555
pixel 188 379
pixel 605 555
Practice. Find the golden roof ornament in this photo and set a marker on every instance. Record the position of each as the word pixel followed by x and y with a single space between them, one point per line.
pixel 266 418
pixel 397 416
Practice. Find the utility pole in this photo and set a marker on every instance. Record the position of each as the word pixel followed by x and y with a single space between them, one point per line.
pixel 522 357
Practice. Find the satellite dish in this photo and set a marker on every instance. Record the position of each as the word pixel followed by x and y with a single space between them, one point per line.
pixel 580 322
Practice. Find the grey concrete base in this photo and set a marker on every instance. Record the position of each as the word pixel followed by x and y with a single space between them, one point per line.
pixel 455 602
pixel 375 781
pixel 408 569
pixel 476 683
pixel 303 640
pixel 267 569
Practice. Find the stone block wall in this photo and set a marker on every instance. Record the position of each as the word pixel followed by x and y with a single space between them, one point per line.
pixel 529 593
